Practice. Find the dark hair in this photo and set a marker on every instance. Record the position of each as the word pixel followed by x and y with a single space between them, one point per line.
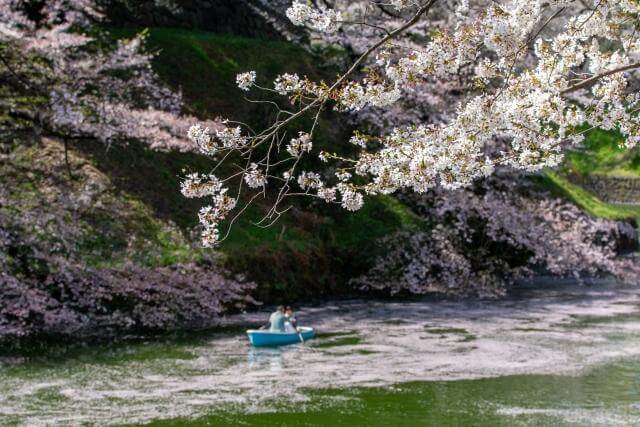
pixel 287 308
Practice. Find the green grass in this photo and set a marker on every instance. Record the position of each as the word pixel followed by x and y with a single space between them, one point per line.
pixel 380 216
pixel 312 252
pixel 601 155
pixel 245 234
pixel 204 65
pixel 559 184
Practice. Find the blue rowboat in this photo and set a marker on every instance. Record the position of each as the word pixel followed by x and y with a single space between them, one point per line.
pixel 263 338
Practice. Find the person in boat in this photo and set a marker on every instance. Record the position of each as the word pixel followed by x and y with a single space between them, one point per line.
pixel 277 320
pixel 290 323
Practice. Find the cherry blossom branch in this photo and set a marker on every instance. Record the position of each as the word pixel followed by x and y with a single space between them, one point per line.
pixel 507 107
pixel 591 81
pixel 320 102
pixel 411 22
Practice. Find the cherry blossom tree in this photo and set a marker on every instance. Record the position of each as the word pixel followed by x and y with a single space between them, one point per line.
pixel 82 83
pixel 78 82
pixel 530 76
pixel 499 231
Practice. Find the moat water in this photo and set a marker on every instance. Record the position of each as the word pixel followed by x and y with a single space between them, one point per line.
pixel 553 354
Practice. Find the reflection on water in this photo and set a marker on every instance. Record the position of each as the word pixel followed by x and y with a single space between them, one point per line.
pixel 266 358
pixel 566 354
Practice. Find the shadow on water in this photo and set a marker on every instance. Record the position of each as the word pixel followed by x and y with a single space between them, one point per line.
pixel 51 353
pixel 388 312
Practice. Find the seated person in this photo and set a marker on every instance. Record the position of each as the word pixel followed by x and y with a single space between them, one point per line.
pixel 277 320
pixel 290 324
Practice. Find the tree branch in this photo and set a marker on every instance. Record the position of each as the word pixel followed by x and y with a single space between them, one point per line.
pixel 592 80
pixel 320 102
pixel 386 12
pixel 424 9
pixel 15 74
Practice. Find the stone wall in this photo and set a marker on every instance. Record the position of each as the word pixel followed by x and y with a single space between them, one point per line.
pixel 611 189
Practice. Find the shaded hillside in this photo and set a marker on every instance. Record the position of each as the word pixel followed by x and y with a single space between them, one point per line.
pixel 314 249
pixel 86 217
pixel 311 252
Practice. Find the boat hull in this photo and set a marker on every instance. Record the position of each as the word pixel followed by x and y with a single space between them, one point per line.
pixel 260 338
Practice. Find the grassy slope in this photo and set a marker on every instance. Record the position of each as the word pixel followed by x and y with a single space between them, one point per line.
pixel 87 216
pixel 602 155
pixel 311 250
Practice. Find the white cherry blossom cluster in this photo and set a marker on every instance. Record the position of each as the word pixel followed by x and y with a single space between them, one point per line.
pixel 231 138
pixel 309 180
pixel 224 138
pixel 351 199
pixel 301 144
pixel 326 20
pixel 201 136
pixel 222 205
pixel 255 177
pixel 246 80
pixel 526 79
pixel 355 96
pixel 210 237
pixel 287 83
pixel 198 186
pixel 359 140
pixel 328 194
pixel 530 109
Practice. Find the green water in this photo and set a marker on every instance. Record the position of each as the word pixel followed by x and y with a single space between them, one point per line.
pixel 547 357
pixel 606 395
